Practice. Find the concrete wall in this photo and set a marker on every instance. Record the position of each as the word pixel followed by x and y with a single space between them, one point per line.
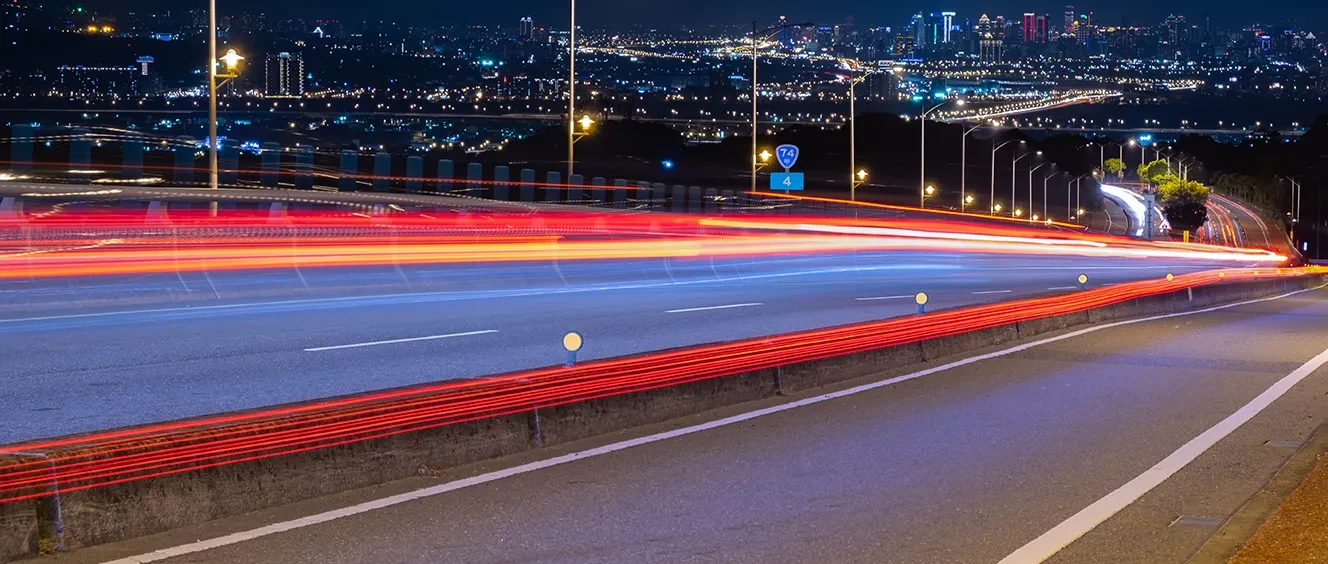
pixel 144 507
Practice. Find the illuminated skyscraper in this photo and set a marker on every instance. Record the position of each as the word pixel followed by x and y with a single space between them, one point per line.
pixel 1069 20
pixel 284 75
pixel 947 20
pixel 1030 27
pixel 526 31
pixel 1040 34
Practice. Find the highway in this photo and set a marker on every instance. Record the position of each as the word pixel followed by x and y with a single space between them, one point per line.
pixel 204 343
pixel 971 463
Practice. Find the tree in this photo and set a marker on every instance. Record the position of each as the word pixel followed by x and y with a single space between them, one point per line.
pixel 1153 172
pixel 1184 202
pixel 1114 166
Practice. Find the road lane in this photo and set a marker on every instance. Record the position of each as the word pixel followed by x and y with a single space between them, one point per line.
pixel 109 370
pixel 964 465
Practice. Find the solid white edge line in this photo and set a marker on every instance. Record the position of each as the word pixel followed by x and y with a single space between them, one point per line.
pixel 389 501
pixel 394 341
pixel 1079 524
pixel 992 292
pixel 872 299
pixel 708 308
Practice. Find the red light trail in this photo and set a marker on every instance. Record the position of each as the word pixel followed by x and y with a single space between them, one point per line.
pixel 91 244
pixel 112 457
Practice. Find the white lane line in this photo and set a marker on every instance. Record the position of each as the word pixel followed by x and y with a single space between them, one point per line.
pixel 1090 517
pixel 992 292
pixel 1064 288
pixel 394 341
pixel 872 299
pixel 730 306
pixel 242 536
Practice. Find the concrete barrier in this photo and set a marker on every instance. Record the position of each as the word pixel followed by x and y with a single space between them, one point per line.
pixel 144 507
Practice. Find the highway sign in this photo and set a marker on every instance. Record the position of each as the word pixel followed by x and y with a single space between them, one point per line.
pixel 786 181
pixel 787 155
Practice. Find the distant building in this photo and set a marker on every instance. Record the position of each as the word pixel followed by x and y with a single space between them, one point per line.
pixel 284 75
pixel 1030 27
pixel 947 25
pixel 526 30
pixel 95 82
pixel 1069 20
pixel 991 49
pixel 148 82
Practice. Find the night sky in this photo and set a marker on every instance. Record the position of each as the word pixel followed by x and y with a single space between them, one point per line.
pixel 1314 13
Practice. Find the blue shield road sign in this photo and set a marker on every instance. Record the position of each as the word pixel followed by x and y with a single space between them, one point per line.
pixel 786 181
pixel 787 155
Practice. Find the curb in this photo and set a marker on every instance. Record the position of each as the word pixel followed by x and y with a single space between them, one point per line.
pixel 1241 526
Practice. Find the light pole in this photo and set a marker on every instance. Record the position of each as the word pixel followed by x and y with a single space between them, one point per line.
pixel 571 96
pixel 770 31
pixel 1014 164
pixel 1046 180
pixel 922 178
pixel 1184 168
pixel 853 135
pixel 1030 187
pixel 994 207
pixel 927 192
pixel 963 165
pixel 1069 211
pixel 212 95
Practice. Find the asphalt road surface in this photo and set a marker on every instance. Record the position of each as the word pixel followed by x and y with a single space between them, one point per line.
pixel 92 368
pixel 968 464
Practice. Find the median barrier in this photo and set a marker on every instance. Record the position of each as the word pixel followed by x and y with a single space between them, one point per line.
pixel 154 503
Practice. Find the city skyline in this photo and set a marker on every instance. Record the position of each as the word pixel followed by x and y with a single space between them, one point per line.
pixel 697 12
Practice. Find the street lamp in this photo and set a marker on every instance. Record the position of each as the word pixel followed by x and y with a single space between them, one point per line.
pixel 996 208
pixel 963 163
pixel 1014 165
pixel 1030 184
pixel 857 180
pixel 922 179
pixel 769 32
pixel 968 201
pixel 1076 196
pixel 231 62
pixel 927 192
pixel 1045 181
pixel 571 94
pixel 852 132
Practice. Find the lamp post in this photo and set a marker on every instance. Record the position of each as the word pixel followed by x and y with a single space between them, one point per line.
pixel 571 95
pixel 1046 180
pixel 1030 185
pixel 927 192
pixel 1184 168
pixel 1069 211
pixel 231 61
pixel 994 206
pixel 963 165
pixel 922 178
pixel 1014 164
pixel 756 39
pixel 852 134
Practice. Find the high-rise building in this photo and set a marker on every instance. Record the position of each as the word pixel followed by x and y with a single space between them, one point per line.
pixel 1041 33
pixel 284 75
pixel 1030 27
pixel 947 22
pixel 918 26
pixel 991 49
pixel 526 31
pixel 1069 20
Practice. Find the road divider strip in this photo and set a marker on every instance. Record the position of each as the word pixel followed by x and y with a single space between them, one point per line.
pixel 395 341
